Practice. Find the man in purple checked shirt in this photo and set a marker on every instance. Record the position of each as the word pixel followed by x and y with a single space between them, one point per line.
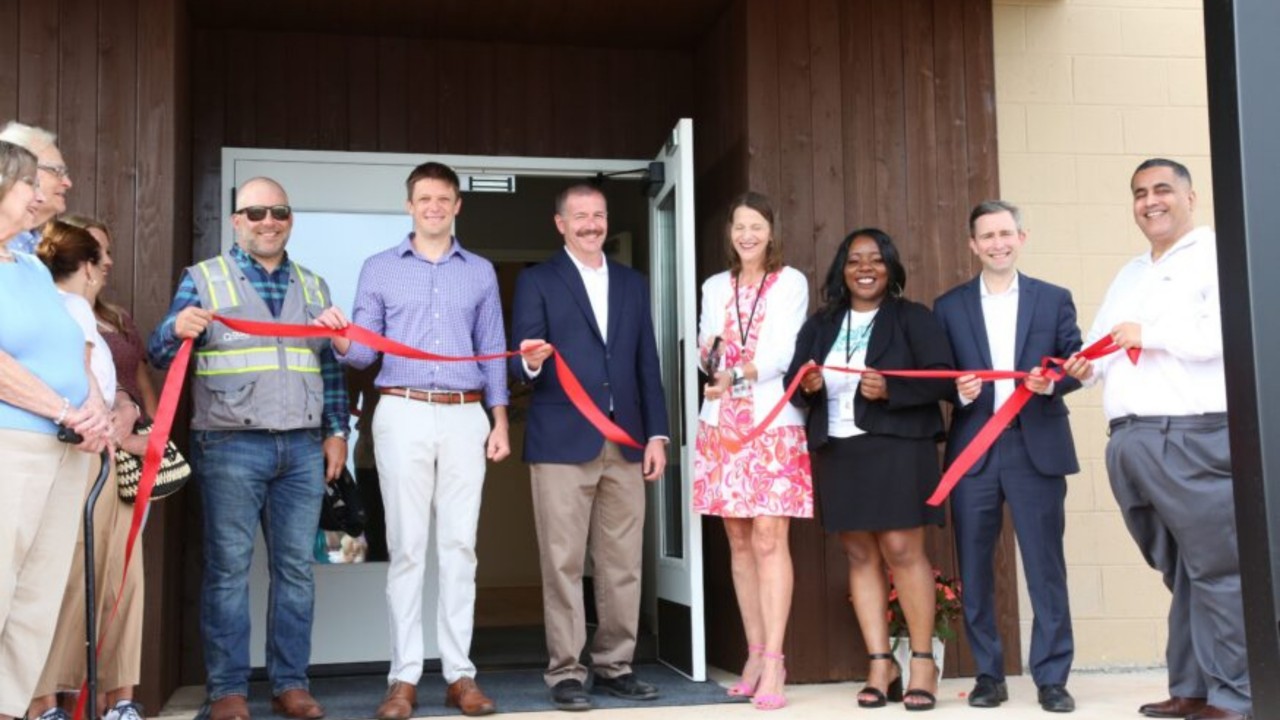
pixel 430 432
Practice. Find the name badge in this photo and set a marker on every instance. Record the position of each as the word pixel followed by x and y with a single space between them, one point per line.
pixel 845 400
pixel 740 390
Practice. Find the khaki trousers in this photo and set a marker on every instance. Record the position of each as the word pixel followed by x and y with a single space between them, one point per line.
pixel 43 484
pixel 120 654
pixel 597 506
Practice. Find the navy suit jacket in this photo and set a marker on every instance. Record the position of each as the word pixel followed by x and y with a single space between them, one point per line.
pixel 1046 326
pixel 551 303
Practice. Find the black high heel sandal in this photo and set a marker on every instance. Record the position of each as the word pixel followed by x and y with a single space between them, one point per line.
pixel 930 700
pixel 894 693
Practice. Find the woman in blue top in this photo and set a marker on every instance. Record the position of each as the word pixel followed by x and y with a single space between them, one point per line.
pixel 44 382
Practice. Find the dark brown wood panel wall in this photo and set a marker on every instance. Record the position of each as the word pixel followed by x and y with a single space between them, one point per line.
pixel 864 113
pixel 396 94
pixel 108 77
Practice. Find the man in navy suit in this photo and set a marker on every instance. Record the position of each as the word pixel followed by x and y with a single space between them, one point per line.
pixel 1005 320
pixel 596 313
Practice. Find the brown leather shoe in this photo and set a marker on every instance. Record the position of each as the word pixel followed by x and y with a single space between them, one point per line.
pixel 465 695
pixel 1213 712
pixel 298 704
pixel 1174 707
pixel 401 699
pixel 229 707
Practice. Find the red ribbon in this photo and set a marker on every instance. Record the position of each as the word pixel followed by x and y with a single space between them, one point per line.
pixel 985 437
pixel 177 375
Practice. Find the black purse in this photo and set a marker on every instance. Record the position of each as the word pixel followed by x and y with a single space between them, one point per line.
pixel 342 508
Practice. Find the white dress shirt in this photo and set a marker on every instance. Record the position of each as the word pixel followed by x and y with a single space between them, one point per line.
pixel 597 282
pixel 1175 300
pixel 1000 315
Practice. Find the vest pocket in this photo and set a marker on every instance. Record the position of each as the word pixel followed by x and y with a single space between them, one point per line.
pixel 231 403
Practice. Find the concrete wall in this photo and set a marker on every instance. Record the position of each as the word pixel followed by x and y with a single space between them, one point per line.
pixel 1085 90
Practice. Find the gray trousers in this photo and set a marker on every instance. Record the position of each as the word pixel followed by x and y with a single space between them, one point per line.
pixel 1172 479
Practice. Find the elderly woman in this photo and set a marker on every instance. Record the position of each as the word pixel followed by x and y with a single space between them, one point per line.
pixel 750 316
pixel 875 453
pixel 44 383
pixel 80 262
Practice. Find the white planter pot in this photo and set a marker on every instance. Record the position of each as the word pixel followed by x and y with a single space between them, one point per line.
pixel 901 647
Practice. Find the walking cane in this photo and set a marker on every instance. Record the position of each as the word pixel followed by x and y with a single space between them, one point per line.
pixel 68 435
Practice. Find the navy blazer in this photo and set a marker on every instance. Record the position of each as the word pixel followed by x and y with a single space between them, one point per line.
pixel 904 336
pixel 1046 328
pixel 551 303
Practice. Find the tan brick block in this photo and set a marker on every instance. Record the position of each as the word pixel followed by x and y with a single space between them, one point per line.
pixel 1080 491
pixel 1051 229
pixel 1188 84
pixel 1050 129
pixel 1084 591
pixel 1037 178
pixel 1130 593
pixel 1098 129
pixel 1111 642
pixel 1166 131
pixel 1104 179
pixel 1103 496
pixel 1033 78
pixel 1074 30
pixel 1057 268
pixel 1118 81
pixel 1011 127
pixel 1163 32
pixel 1103 227
pixel 1009 28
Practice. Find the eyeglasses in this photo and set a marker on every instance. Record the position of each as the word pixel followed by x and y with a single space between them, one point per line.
pixel 258 213
pixel 58 171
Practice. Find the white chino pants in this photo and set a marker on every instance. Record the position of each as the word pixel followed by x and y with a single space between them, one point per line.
pixel 430 457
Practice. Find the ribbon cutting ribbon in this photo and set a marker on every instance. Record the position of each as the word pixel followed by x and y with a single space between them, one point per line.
pixel 985 437
pixel 177 375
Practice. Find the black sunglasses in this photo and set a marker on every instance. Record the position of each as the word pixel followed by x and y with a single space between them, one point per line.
pixel 257 213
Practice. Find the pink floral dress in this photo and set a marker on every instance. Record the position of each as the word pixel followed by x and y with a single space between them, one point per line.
pixel 770 476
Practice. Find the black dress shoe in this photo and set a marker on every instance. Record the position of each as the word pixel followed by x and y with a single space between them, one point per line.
pixel 627 687
pixel 988 692
pixel 570 695
pixel 1055 698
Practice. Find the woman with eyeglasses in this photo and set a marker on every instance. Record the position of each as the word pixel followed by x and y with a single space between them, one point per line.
pixel 44 383
pixel 874 441
pixel 80 264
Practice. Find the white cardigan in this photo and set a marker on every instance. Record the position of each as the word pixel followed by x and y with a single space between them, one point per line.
pixel 786 305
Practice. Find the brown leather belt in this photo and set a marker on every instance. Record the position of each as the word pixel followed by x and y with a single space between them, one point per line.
pixel 438 397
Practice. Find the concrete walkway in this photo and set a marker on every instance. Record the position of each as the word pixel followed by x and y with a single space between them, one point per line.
pixel 1100 695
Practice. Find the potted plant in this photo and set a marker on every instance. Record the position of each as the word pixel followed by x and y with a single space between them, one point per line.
pixel 947 609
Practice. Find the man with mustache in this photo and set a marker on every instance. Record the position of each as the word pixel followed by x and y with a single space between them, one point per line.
pixel 1168 457
pixel 431 435
pixel 596 313
pixel 51 170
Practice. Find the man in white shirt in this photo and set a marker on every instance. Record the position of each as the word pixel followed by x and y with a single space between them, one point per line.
pixel 1005 320
pixel 1168 457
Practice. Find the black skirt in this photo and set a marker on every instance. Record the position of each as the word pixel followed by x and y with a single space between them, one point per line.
pixel 876 482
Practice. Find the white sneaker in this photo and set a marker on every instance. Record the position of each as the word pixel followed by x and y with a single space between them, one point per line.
pixel 125 710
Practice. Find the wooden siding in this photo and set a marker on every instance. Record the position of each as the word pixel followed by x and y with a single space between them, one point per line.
pixel 863 113
pixel 107 77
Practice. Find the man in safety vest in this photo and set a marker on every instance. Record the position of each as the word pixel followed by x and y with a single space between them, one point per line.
pixel 269 429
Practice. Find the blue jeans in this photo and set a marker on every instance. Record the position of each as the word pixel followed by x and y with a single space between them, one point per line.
pixel 248 477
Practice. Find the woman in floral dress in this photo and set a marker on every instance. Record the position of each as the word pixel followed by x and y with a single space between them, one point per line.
pixel 750 316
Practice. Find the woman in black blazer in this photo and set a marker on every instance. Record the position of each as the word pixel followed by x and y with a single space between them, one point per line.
pixel 874 445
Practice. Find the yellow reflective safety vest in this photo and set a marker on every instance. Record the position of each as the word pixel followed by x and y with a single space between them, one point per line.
pixel 244 382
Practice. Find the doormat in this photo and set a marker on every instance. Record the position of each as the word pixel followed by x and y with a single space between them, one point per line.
pixel 356 698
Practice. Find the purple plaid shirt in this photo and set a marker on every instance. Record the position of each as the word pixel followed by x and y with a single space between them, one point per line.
pixel 448 307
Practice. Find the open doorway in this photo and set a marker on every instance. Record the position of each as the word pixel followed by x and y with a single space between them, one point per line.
pixel 349 206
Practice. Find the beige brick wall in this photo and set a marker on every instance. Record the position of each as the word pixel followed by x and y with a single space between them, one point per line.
pixel 1085 90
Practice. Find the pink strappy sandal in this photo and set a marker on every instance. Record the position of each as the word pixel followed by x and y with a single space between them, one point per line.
pixel 772 701
pixel 742 688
